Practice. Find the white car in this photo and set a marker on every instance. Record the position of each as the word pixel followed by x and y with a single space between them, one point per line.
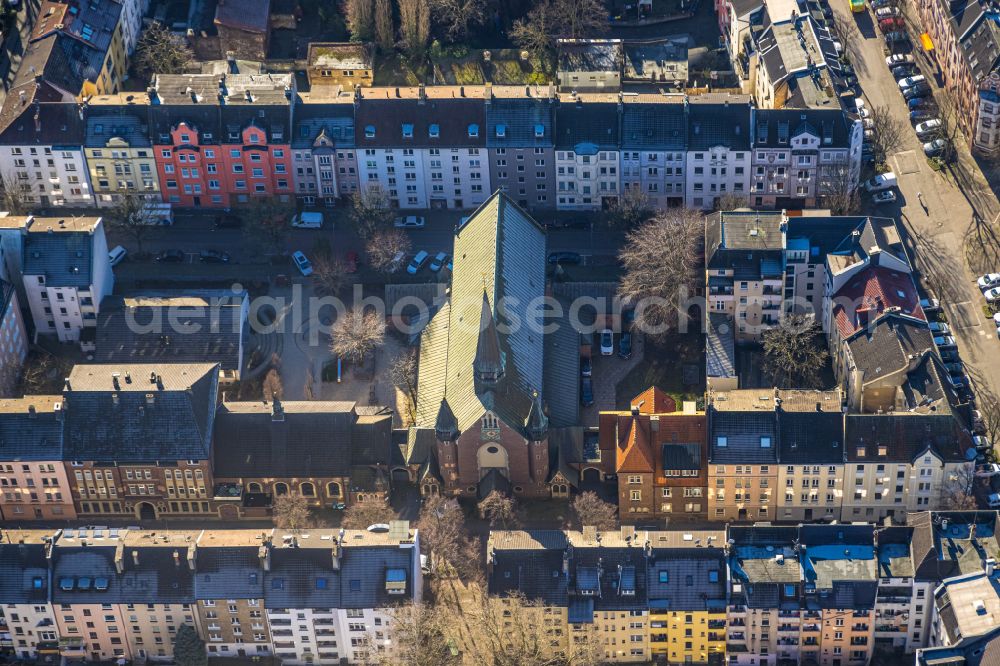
pixel 927 127
pixel 607 342
pixel 887 196
pixel 980 442
pixel 302 263
pixel 989 281
pixel 987 470
pixel 899 59
pixel 996 318
pixel 992 295
pixel 409 222
pixel 864 112
pixel 886 12
pixel 911 81
pixel 418 261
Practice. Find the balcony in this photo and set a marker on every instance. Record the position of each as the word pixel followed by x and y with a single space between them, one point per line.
pixel 713 636
pixel 860 627
pixel 788 641
pixel 893 600
pixel 736 647
pixel 721 624
pixel 888 628
pixel 324 622
pixel 326 632
pixel 737 636
pixel 810 627
pixel 787 627
pixel 859 640
pixel 810 642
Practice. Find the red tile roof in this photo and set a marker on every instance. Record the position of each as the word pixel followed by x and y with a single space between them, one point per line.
pixel 870 293
pixel 654 401
pixel 634 454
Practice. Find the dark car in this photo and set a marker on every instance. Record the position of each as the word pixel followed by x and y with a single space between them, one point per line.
pixel 625 345
pixel 921 115
pixel 213 257
pixel 919 90
pixel 955 367
pixel 950 355
pixel 921 103
pixel 897 37
pixel 170 257
pixel 903 71
pixel 564 258
pixel 228 222
pixel 586 366
pixel 586 391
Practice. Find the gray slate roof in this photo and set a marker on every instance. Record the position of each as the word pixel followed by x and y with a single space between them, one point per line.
pixel 520 117
pixel 24 573
pixel 717 120
pixel 130 123
pixel 227 572
pixel 335 120
pixel 586 127
pixel 65 258
pixel 743 432
pixel 141 420
pixel 654 126
pixel 31 435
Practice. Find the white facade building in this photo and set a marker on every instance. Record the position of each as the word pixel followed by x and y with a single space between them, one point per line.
pixel 718 149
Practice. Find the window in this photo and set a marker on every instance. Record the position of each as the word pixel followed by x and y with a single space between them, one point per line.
pixel 765 442
pixel 636 495
pixel 721 441
pixel 473 130
pixel 634 479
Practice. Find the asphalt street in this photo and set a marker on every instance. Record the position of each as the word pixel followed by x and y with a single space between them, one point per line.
pixel 935 236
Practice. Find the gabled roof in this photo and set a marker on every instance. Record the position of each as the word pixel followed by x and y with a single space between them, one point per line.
pixel 248 15
pixel 634 454
pixel 654 401
pixel 298 439
pixel 718 120
pixel 500 250
pixel 587 126
pixel 421 123
pixel 871 292
pixel 774 128
pixel 519 122
pixel 811 427
pixel 31 428
pixel 24 570
pixel 335 122
pixel 744 427
pixel 127 122
pixel 148 412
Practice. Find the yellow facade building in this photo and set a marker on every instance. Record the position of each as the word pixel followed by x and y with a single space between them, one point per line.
pixel 118 149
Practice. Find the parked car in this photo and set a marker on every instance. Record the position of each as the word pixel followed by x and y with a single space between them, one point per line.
pixel 996 318
pixel 607 342
pixel 625 345
pixel 981 442
pixel 170 257
pixel 439 260
pixel 868 124
pixel 897 37
pixel 927 103
pixel 586 391
pixel 409 222
pixel 899 59
pixel 921 115
pixel 978 425
pixel 957 383
pixel 883 197
pixel 939 328
pixel 876 4
pixel 864 112
pixel 418 261
pixel 911 81
pixel 213 257
pixel 881 182
pixel 919 90
pixel 564 258
pixel 303 264
pixel 928 128
pixel 903 71
pixel 397 262
pixel 992 295
pixel 988 281
pixel 949 355
pixel 117 255
pixel 887 12
pixel 307 220
pixel 993 501
pixel 586 366
pixel 987 470
pixel 944 341
pixel 935 148
pixel 930 304
pixel 351 262
pixel 891 24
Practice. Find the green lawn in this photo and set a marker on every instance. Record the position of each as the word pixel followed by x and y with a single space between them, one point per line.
pixel 662 366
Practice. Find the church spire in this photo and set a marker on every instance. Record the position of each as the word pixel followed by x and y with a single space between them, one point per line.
pixel 488 364
pixel 537 423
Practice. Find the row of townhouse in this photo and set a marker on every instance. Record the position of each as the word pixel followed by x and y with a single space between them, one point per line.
pixel 150 441
pixel 784 455
pixel 100 594
pixel 757 595
pixel 217 141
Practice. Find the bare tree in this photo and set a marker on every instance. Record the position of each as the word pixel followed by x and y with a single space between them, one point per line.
pixel 580 18
pixel 385 31
pixel 795 353
pixel 329 274
pixel 373 511
pixel 384 245
pixel 132 216
pixel 499 509
pixel 16 197
pixel 592 510
pixel 957 491
pixel 888 133
pixel 371 210
pixel 414 26
pixel 444 537
pixel 457 17
pixel 989 410
pixel 403 375
pixel 160 51
pixel 662 260
pixel 420 637
pixel 535 33
pixel 43 374
pixel 265 223
pixel 273 389
pixel 838 190
pixel 732 201
pixel 360 15
pixel 630 210
pixel 291 512
pixel 357 333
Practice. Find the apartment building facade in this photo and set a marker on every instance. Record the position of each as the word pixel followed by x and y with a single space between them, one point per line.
pixel 520 143
pixel 425 147
pixel 13 339
pixel 718 149
pixel 27 618
pixel 119 152
pixel 588 151
pixel 654 142
pixel 323 156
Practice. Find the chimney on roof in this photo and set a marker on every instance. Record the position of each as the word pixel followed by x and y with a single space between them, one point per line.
pixel 335 554
pixel 120 558
pixel 421 94
pixel 192 556
pixel 277 411
pixel 461 91
pixel 177 559
pixel 66 386
pixel 23 96
pixel 31 411
pixel 135 557
pixel 552 91
pixel 264 556
pixel 114 380
pixel 397 92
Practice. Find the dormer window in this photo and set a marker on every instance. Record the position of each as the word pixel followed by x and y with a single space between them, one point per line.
pixel 407 130
pixel 369 131
pixel 539 131
pixel 434 131
pixel 501 130
pixel 473 130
